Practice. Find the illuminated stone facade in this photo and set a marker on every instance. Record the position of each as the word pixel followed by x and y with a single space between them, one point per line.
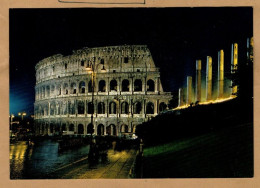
pixel 126 92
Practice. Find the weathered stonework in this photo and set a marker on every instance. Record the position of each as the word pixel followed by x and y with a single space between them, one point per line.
pixel 127 91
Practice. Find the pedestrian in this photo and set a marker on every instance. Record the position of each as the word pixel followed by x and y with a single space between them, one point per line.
pixel 114 146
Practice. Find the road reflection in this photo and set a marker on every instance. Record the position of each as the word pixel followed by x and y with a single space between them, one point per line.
pixel 36 162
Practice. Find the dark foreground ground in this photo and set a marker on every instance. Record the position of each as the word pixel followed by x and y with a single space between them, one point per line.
pixel 223 153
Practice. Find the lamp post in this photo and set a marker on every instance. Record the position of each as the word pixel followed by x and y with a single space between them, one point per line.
pixel 92 68
pixel 21 114
pixel 11 121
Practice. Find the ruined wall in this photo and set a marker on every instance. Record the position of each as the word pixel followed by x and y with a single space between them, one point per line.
pixel 127 90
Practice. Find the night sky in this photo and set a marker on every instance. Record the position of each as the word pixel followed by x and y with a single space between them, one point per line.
pixel 176 37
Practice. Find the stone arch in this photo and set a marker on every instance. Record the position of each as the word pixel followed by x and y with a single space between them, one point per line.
pixel 101 108
pixel 150 108
pixel 82 87
pixel 46 110
pixel 100 130
pixel 137 107
pixel 41 111
pixel 52 109
pixel 73 88
pixel 65 89
pixel 51 128
pixel 138 85
pixel 125 85
pixel 124 108
pixel 112 108
pixel 113 85
pixel 58 108
pixel 43 92
pixel 52 89
pixel 162 106
pixel 81 109
pixel 63 127
pixel 90 108
pixel 124 128
pixel 58 90
pixel 47 91
pixel 71 127
pixel 90 87
pixel 80 129
pixel 111 130
pixel 71 107
pixel 90 129
pixel 57 128
pixel 150 85
pixel 102 86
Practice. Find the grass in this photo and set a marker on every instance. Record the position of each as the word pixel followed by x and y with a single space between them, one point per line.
pixel 224 153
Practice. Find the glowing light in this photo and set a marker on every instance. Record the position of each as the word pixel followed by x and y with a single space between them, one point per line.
pixel 207 102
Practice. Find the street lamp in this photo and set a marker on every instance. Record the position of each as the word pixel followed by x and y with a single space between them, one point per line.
pixel 22 114
pixel 92 68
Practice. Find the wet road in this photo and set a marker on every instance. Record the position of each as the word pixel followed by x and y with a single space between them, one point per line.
pixel 44 161
pixel 40 160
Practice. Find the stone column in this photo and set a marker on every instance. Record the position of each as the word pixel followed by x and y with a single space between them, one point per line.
pixel 180 100
pixel 220 73
pixel 250 43
pixel 209 79
pixel 198 80
pixel 189 90
pixel 234 62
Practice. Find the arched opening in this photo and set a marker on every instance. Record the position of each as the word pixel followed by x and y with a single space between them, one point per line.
pixel 149 108
pixel 90 87
pixel 100 130
pixel 52 89
pixel 125 85
pixel 138 85
pixel 73 88
pixel 63 127
pixel 65 89
pixel 82 87
pixel 162 107
pixel 52 109
pixel 43 92
pixel 46 111
pixel 71 107
pixel 124 108
pixel 102 86
pixel 81 109
pixel 111 130
pixel 51 128
pixel 90 129
pixel 80 129
pixel 101 108
pixel 112 108
pixel 48 91
pixel 124 129
pixel 137 108
pixel 90 108
pixel 113 85
pixel 57 128
pixel 150 85
pixel 58 109
pixel 71 127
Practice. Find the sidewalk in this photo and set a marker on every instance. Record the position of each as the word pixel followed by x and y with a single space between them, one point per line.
pixel 117 167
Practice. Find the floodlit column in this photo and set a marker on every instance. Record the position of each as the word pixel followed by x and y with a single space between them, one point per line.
pixel 234 61
pixel 180 101
pixel 209 79
pixel 220 73
pixel 189 88
pixel 198 80
pixel 250 44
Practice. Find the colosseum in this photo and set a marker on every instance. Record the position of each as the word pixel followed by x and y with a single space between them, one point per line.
pixel 101 91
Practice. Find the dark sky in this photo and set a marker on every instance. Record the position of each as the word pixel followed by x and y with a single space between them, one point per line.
pixel 175 36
